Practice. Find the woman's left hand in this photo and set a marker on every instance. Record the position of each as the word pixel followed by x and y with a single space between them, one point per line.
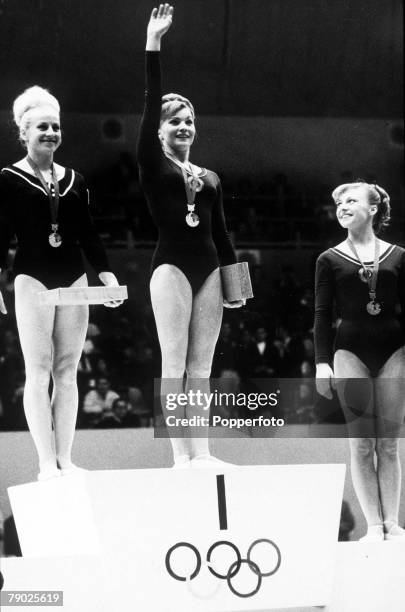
pixel 234 304
pixel 109 280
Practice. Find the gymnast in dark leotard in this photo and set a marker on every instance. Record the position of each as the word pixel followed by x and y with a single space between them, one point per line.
pixel 50 237
pixel 364 277
pixel 186 204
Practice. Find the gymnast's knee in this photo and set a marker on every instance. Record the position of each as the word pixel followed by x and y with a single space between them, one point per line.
pixel 173 368
pixel 387 448
pixel 38 374
pixel 195 369
pixel 65 373
pixel 363 447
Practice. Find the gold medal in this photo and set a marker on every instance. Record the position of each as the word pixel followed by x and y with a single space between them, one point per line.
pixel 373 308
pixel 192 219
pixel 55 239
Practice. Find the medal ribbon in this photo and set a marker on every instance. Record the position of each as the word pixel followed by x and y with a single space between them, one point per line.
pixel 52 197
pixel 191 189
pixel 371 281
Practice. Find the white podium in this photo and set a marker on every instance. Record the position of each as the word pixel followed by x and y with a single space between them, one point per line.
pixel 248 538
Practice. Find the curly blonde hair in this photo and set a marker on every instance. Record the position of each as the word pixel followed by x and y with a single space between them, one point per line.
pixel 376 196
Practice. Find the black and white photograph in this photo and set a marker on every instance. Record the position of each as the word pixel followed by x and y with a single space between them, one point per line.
pixel 202 306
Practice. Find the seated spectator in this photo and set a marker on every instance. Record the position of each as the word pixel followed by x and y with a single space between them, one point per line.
pixel 265 357
pixel 133 415
pixel 99 400
pixel 111 417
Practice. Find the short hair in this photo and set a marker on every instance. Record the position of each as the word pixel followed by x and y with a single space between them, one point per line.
pixel 172 103
pixel 33 97
pixel 376 196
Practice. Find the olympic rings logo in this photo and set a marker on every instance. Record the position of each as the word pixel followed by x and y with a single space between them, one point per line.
pixel 234 567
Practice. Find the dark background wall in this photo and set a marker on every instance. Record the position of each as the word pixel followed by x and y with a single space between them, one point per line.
pixel 309 88
pixel 244 57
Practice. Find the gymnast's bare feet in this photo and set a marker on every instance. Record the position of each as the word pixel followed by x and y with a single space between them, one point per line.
pixel 207 461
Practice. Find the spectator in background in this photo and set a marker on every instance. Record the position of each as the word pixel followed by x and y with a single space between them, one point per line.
pixel 265 357
pixel 112 416
pixel 99 400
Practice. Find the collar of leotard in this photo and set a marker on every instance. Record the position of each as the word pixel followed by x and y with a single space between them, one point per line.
pixel 203 172
pixel 383 255
pixel 65 183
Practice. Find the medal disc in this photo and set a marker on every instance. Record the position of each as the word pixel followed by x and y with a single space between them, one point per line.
pixel 373 308
pixel 55 240
pixel 192 219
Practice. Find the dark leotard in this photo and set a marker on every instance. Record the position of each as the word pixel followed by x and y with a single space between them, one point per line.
pixel 196 251
pixel 372 338
pixel 24 212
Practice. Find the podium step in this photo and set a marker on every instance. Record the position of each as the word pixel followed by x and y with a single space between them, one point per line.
pixel 367 579
pixel 257 537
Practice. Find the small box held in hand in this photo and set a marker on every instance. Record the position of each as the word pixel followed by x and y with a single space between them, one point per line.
pixel 71 296
pixel 236 283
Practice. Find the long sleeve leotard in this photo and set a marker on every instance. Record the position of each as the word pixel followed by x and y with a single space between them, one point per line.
pixel 24 212
pixel 196 251
pixel 372 338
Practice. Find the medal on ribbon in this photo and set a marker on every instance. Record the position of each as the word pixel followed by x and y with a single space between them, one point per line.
pixel 192 184
pixel 369 275
pixel 54 239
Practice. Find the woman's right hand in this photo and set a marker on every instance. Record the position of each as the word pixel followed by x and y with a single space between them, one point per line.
pixel 159 22
pixel 3 308
pixel 325 380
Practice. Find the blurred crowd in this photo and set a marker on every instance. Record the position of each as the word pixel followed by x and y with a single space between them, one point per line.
pixel 274 209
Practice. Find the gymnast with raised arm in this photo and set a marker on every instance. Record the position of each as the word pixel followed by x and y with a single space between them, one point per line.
pixel 46 206
pixel 365 277
pixel 185 202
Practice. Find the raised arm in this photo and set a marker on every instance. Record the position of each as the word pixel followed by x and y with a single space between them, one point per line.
pixel 159 23
pixel 149 150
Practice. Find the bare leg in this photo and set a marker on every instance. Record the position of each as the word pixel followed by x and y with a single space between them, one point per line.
pixel 172 302
pixel 390 406
pixel 69 334
pixel 35 326
pixel 348 367
pixel 205 325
